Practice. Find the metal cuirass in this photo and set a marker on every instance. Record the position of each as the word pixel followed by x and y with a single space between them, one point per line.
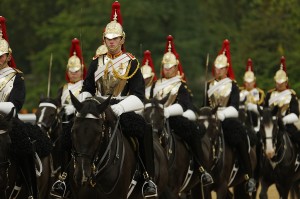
pixel 74 88
pixel 7 77
pixel 221 96
pixel 283 103
pixel 110 81
pixel 171 90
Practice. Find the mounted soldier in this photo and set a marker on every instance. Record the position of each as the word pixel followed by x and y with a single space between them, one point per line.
pixel 250 94
pixel 75 73
pixel 223 93
pixel 173 86
pixel 12 95
pixel 118 73
pixel 286 100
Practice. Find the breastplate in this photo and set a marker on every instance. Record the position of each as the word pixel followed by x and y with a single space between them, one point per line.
pixel 171 90
pixel 221 96
pixel 110 83
pixel 75 90
pixel 283 103
pixel 250 96
pixel 6 85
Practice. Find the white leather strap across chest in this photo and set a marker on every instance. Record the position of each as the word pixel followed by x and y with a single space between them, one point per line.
pixel 161 85
pixel 7 77
pixel 115 63
pixel 279 97
pixel 71 87
pixel 218 86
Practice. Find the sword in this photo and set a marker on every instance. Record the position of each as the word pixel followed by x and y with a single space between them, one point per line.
pixel 205 85
pixel 49 76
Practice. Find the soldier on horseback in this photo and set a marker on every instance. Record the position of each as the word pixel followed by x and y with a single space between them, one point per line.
pixel 223 92
pixel 148 72
pixel 286 100
pixel 117 73
pixel 173 86
pixel 75 73
pixel 12 95
pixel 250 94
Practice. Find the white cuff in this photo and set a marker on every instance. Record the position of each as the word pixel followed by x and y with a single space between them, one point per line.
pixel 82 96
pixel 6 107
pixel 252 107
pixel 189 114
pixel 230 112
pixel 290 118
pixel 173 110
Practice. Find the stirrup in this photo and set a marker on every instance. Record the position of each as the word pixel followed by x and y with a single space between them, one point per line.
pixel 59 188
pixel 205 178
pixel 149 184
pixel 250 185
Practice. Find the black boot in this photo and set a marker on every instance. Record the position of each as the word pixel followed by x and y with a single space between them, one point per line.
pixel 27 168
pixel 149 188
pixel 195 144
pixel 244 156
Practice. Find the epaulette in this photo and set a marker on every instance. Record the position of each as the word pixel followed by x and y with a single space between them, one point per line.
pixel 131 56
pixel 271 90
pixel 293 92
pixel 96 56
pixel 241 88
pixel 17 70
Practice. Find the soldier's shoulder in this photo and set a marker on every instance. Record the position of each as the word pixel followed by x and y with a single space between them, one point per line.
pixel 293 91
pixel 271 90
pixel 18 70
pixel 131 56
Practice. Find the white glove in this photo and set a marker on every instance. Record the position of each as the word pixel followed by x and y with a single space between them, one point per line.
pixel 6 107
pixel 117 109
pixel 82 96
pixel 228 112
pixel 69 109
pixel 173 110
pixel 252 107
pixel 221 115
pixel 189 114
pixel 139 112
pixel 290 118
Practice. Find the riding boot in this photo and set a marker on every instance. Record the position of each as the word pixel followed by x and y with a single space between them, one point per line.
pixel 27 167
pixel 149 188
pixel 244 156
pixel 195 144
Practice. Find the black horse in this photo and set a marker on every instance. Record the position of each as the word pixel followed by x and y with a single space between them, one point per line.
pixel 223 158
pixel 5 143
pixel 280 165
pixel 105 162
pixel 49 119
pixel 182 173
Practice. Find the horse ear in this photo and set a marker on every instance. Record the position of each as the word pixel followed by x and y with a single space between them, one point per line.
pixel 77 104
pixel 10 114
pixel 103 105
pixel 259 109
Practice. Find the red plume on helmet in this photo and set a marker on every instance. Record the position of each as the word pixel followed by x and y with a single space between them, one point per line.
pixel 249 66
pixel 116 9
pixel 11 63
pixel 282 64
pixel 148 60
pixel 75 48
pixel 226 51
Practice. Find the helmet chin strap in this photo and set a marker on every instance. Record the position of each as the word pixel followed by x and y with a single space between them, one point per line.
pixel 115 48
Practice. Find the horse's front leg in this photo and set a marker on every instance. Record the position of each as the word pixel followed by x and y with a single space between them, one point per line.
pixel 283 191
pixel 264 189
pixel 222 190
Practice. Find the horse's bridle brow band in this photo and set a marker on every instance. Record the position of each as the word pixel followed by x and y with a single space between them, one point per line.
pixel 47 105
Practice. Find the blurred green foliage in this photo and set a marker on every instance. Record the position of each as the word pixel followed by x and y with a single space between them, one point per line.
pixel 257 29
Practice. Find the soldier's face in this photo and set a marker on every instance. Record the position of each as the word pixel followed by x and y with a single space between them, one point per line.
pixel 4 59
pixel 170 72
pixel 114 45
pixel 249 85
pixel 75 76
pixel 221 73
pixel 281 86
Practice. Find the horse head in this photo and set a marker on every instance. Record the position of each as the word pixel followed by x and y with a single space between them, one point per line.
pixel 271 129
pixel 91 131
pixel 5 143
pixel 47 115
pixel 208 118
